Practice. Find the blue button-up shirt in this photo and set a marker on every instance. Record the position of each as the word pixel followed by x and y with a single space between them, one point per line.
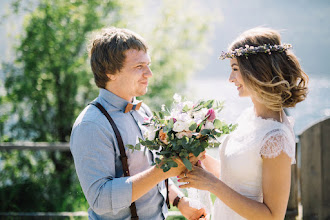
pixel 96 156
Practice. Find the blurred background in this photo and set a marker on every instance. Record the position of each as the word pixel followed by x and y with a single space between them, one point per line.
pixel 45 78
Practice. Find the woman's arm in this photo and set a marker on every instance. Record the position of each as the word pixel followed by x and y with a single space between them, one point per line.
pixel 275 182
pixel 212 165
pixel 276 188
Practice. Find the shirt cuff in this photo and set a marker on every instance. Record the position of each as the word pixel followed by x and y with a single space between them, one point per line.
pixel 121 193
pixel 170 181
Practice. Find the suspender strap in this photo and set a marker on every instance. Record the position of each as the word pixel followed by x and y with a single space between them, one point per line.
pixel 167 196
pixel 123 156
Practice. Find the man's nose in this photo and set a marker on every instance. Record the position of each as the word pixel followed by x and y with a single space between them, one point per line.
pixel 148 72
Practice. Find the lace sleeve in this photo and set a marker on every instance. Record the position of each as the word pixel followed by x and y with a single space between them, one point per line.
pixel 277 141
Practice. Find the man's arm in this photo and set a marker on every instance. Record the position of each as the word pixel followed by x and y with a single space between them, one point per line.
pixel 146 180
pixel 92 147
pixel 94 156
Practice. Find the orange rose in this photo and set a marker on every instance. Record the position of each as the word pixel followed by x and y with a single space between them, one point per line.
pixel 163 136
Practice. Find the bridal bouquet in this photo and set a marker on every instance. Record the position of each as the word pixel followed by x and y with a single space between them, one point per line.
pixel 187 128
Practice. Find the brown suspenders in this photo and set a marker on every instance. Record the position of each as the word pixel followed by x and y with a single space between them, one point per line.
pixel 123 156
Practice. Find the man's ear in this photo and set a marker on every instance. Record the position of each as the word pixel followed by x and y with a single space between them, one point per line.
pixel 112 77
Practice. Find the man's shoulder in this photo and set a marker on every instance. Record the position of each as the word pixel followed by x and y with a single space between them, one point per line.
pixel 90 115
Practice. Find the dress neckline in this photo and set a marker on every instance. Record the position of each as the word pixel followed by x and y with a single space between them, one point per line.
pixel 288 123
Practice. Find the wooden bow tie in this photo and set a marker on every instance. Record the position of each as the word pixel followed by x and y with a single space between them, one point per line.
pixel 130 107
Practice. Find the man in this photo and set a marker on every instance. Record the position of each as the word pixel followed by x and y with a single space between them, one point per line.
pixel 120 64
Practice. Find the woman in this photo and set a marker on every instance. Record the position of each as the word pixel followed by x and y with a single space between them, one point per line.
pixel 252 179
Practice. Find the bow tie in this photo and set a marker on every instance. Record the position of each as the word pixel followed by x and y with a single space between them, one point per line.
pixel 130 107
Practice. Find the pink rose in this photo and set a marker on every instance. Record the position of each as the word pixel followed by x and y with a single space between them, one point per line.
pixel 147 119
pixel 211 114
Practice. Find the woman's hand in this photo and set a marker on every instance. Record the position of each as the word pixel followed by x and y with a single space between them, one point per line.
pixel 197 178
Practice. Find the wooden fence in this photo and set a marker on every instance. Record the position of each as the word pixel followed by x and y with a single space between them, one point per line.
pixel 310 180
pixel 315 171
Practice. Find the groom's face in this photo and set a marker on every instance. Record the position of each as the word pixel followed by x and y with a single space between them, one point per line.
pixel 132 80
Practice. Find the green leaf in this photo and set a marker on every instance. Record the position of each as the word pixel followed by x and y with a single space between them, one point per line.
pixel 171 123
pixel 172 163
pixel 209 104
pixel 158 161
pixel 185 108
pixel 217 124
pixel 205 131
pixel 187 163
pixel 164 152
pixel 204 144
pixel 233 127
pixel 129 146
pixel 193 126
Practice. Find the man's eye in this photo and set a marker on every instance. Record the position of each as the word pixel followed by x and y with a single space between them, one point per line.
pixel 235 69
pixel 139 67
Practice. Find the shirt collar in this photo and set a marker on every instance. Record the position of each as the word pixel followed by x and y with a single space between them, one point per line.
pixel 115 100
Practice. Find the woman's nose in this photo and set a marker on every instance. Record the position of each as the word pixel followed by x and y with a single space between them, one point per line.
pixel 231 77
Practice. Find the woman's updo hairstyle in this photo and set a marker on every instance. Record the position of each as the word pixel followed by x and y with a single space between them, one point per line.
pixel 275 79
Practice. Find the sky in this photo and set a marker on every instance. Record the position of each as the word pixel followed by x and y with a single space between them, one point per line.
pixel 302 23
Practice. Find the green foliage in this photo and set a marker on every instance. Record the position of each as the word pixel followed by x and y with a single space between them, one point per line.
pixel 29 182
pixel 180 143
pixel 47 86
pixel 177 41
pixel 50 82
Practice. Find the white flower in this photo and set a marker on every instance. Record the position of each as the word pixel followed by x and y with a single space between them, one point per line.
pixel 163 107
pixel 177 97
pixel 189 104
pixel 200 115
pixel 175 113
pixel 183 117
pixel 209 125
pixel 188 123
pixel 150 133
pixel 182 134
pixel 179 126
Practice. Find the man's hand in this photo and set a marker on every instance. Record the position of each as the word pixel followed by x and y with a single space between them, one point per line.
pixel 189 212
pixel 194 159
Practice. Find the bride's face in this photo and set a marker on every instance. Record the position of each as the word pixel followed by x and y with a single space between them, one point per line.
pixel 236 77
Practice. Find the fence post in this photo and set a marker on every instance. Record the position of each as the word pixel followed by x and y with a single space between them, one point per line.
pixel 315 170
pixel 292 209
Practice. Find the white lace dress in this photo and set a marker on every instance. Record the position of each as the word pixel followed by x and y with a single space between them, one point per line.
pixel 241 157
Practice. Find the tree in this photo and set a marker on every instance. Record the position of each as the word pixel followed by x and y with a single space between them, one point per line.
pixel 46 86
pixel 50 82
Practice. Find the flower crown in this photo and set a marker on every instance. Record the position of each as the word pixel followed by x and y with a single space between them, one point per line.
pixel 248 50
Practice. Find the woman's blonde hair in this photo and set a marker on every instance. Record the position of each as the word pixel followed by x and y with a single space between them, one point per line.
pixel 275 79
